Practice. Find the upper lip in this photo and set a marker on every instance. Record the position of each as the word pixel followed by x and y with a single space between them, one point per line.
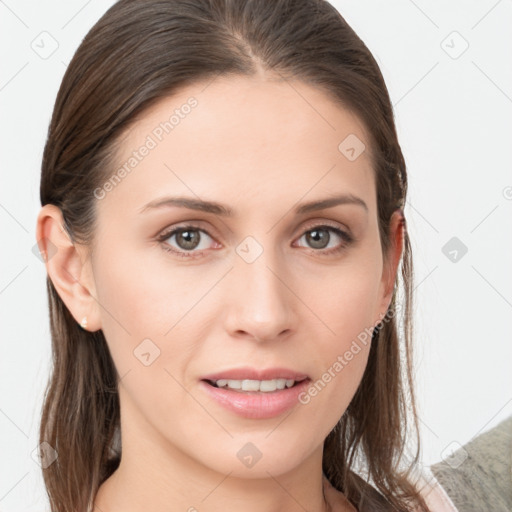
pixel 256 374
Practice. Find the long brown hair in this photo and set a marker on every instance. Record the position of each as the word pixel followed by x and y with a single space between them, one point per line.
pixel 139 52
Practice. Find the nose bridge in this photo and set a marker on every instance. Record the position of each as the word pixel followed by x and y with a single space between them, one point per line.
pixel 260 302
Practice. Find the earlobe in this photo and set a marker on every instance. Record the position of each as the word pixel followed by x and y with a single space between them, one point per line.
pixel 67 266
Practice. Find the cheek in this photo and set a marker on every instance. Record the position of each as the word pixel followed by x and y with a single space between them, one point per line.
pixel 144 318
pixel 345 301
pixel 141 297
pixel 137 308
pixel 341 361
pixel 344 309
pixel 152 316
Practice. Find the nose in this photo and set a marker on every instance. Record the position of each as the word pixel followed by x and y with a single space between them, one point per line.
pixel 260 303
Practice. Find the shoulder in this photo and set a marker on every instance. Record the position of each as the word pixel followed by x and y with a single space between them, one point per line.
pixel 477 475
pixel 434 495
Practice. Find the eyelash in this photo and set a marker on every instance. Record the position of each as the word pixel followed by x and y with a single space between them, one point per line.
pixel 347 240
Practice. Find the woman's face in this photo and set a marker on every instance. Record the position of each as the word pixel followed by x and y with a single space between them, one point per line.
pixel 267 286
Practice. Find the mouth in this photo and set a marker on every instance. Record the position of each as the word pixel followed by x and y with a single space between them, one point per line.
pixel 254 399
pixel 250 386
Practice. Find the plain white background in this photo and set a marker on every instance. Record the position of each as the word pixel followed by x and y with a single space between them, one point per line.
pixel 448 68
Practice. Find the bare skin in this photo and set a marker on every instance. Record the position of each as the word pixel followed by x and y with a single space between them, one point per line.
pixel 261 147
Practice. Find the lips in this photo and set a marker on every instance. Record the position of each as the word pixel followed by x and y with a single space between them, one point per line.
pixel 255 404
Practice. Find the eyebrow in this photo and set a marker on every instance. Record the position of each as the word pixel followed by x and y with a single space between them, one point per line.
pixel 226 211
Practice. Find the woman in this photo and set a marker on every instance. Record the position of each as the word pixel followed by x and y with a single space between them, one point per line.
pixel 222 222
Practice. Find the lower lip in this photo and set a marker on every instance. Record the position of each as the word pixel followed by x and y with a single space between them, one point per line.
pixel 257 404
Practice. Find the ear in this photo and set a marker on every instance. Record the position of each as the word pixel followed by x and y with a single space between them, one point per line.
pixel 68 266
pixel 391 262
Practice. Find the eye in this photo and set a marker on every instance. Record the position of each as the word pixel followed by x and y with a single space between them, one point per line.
pixel 319 238
pixel 189 239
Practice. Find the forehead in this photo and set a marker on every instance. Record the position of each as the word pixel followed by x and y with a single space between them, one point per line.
pixel 237 138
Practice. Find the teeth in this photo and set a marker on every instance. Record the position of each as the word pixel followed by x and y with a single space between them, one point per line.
pixel 266 386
